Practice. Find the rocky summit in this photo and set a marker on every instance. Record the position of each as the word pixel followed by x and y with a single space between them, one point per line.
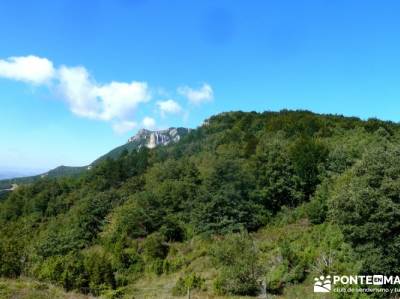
pixel 151 139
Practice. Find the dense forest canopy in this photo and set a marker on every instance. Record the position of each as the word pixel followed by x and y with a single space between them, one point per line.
pixel 223 183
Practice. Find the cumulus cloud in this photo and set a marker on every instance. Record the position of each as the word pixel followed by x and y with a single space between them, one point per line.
pixel 197 96
pixel 86 98
pixel 30 69
pixel 77 90
pixel 169 107
pixel 149 123
pixel 124 126
pixel 114 102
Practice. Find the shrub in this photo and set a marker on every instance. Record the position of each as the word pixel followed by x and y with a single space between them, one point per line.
pixel 172 230
pixel 189 282
pixel 275 279
pixel 113 294
pixel 98 266
pixel 51 269
pixel 173 264
pixel 10 258
pixel 365 204
pixel 237 260
pixel 317 208
pixel 154 247
pixel 74 276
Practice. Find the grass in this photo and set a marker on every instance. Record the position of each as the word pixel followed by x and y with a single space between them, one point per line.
pixel 24 288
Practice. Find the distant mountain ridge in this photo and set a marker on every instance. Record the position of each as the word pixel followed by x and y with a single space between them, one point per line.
pixel 59 171
pixel 143 137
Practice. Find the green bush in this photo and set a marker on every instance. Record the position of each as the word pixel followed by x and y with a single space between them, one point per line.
pixel 154 247
pixel 113 294
pixel 129 258
pixel 155 266
pixel 172 230
pixel 317 208
pixel 365 204
pixel 67 271
pixel 188 282
pixel 173 264
pixel 275 279
pixel 11 257
pixel 74 276
pixel 98 266
pixel 51 269
pixel 236 257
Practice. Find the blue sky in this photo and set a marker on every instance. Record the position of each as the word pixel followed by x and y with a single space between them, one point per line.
pixel 77 78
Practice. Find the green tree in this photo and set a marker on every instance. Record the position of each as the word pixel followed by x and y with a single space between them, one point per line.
pixel 236 257
pixel 366 205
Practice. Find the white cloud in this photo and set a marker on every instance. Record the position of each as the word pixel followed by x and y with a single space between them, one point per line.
pixel 149 123
pixel 77 89
pixel 120 99
pixel 169 107
pixel 30 69
pixel 115 100
pixel 197 96
pixel 124 126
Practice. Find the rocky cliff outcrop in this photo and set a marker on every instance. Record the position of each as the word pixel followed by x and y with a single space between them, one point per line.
pixel 151 139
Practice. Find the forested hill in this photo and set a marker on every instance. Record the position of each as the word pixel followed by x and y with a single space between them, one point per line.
pixel 273 196
pixel 144 137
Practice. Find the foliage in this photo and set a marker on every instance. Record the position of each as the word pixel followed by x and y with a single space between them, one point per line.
pixel 224 182
pixel 366 205
pixel 237 257
pixel 188 282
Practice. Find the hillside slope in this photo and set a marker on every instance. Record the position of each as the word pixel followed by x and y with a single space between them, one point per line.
pixel 144 138
pixel 28 289
pixel 245 204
